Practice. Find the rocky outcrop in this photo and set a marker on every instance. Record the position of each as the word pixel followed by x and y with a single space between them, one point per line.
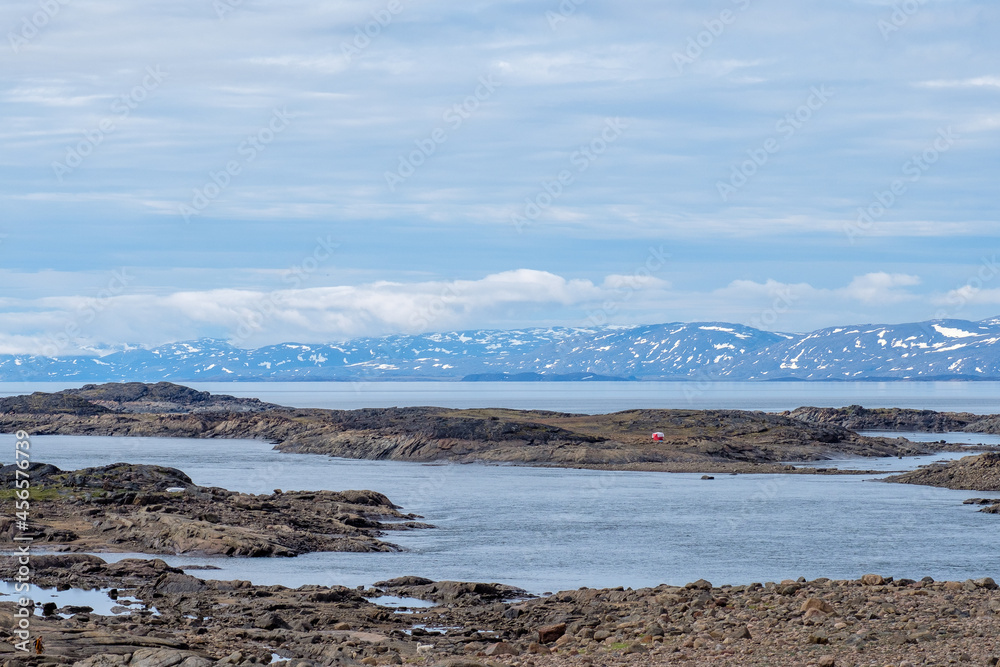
pixel 56 404
pixel 449 592
pixel 857 418
pixel 129 398
pixel 117 476
pixel 975 473
pixel 163 397
pixel 158 510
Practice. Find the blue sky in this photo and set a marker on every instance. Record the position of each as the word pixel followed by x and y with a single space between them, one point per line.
pixel 208 167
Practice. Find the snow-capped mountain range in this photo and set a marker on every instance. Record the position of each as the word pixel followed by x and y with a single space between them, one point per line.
pixel 938 349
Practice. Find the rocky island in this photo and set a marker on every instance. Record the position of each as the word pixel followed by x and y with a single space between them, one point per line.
pixel 694 440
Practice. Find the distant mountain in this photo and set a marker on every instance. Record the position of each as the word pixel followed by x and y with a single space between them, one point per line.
pixel 938 349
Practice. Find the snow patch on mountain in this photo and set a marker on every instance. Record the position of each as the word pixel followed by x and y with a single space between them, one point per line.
pixel 672 351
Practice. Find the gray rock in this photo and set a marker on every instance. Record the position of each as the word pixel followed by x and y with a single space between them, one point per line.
pixel 157 657
pixel 172 584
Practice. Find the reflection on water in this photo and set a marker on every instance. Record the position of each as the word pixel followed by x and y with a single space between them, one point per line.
pixel 96 599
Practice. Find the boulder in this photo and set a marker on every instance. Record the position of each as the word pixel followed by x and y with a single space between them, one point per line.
pixel 501 648
pixel 818 604
pixel 157 657
pixel 550 633
pixel 173 583
pixel 270 621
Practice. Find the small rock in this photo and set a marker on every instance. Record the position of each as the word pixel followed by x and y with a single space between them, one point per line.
pixel 342 626
pixel 826 661
pixel 817 603
pixel 550 633
pixel 501 648
pixel 270 621
pixel 512 614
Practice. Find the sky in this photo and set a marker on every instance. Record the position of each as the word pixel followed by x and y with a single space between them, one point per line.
pixel 265 171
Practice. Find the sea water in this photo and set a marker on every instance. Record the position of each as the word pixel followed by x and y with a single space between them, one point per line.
pixel 547 529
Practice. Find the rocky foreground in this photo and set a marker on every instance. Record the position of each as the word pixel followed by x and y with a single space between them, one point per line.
pixel 166 618
pixel 157 510
pixel 694 440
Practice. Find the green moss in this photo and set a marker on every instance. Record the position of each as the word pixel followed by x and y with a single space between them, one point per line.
pixel 37 493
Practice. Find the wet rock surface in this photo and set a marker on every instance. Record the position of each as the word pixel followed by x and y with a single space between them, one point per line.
pixel 178 619
pixel 158 510
pixel 459 592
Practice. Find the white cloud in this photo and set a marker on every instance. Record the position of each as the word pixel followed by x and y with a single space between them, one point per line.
pixel 312 314
pixel 975 82
pixel 522 297
pixel 329 64
pixel 969 295
pixel 881 288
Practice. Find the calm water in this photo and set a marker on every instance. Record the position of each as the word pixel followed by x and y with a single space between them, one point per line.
pixel 550 529
pixel 96 599
pixel 600 397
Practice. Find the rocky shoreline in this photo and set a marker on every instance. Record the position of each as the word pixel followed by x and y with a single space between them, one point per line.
pixel 168 618
pixel 157 510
